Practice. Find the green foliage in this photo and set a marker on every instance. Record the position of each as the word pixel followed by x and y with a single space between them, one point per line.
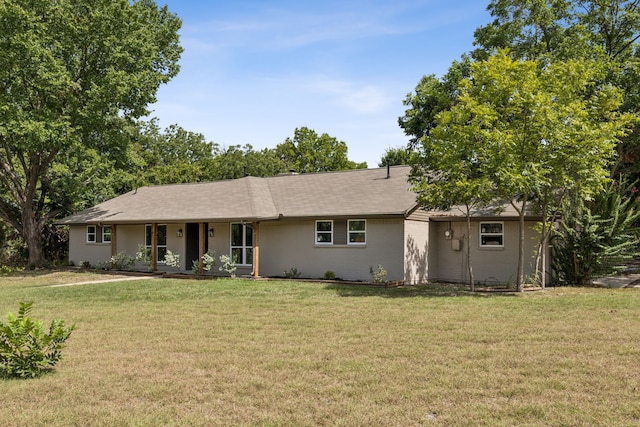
pixel 209 260
pixel 329 275
pixel 395 157
pixel 603 31
pixel 378 275
pixel 597 237
pixel 237 161
pixel 307 152
pixel 228 265
pixel 26 350
pixel 74 75
pixel 195 267
pixel 122 261
pixel 521 131
pixel 292 273
pixel 172 260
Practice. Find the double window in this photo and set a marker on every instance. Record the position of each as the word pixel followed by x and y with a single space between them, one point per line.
pixel 491 235
pixel 242 243
pixel 161 240
pixel 335 232
pixel 98 234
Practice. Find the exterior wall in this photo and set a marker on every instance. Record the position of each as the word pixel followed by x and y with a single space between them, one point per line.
pixel 128 238
pixel 291 244
pixel 416 251
pixel 448 259
pixel 80 251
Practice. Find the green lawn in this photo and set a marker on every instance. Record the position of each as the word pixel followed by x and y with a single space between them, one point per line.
pixel 183 352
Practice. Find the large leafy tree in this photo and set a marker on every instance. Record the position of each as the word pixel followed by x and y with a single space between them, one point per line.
pixel 544 131
pixel 309 152
pixel 606 31
pixel 73 73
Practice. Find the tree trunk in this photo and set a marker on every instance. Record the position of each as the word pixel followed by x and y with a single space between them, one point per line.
pixel 32 235
pixel 471 278
pixel 520 279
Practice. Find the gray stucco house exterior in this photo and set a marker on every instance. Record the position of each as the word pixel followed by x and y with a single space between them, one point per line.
pixel 345 222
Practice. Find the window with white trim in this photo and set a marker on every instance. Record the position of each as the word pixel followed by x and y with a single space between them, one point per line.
pixel 242 243
pixel 92 234
pixel 491 235
pixel 324 232
pixel 106 234
pixel 161 240
pixel 357 230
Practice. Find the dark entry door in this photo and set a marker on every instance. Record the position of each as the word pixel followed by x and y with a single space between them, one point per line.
pixel 193 243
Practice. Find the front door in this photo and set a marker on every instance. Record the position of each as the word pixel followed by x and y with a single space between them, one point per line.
pixel 193 244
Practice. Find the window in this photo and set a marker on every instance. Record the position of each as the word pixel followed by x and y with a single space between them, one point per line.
pixel 357 229
pixel 491 235
pixel 341 232
pixel 92 233
pixel 161 241
pixel 242 243
pixel 106 234
pixel 324 232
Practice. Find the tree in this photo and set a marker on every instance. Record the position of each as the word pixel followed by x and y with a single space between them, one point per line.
pixel 432 95
pixel 545 130
pixel 447 170
pixel 237 161
pixel 606 31
pixel 73 74
pixel 395 156
pixel 172 156
pixel 307 152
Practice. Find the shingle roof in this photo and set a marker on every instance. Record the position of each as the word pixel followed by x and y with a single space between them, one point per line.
pixel 361 192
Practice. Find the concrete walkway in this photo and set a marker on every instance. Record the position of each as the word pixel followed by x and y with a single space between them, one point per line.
pixel 624 281
pixel 119 279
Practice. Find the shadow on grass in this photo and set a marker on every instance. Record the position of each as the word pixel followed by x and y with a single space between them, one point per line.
pixel 431 290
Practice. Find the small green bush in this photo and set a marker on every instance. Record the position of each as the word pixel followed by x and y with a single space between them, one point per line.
pixel 292 273
pixel 228 265
pixel 172 259
pixel 329 275
pixel 379 275
pixel 122 261
pixel 26 350
pixel 208 262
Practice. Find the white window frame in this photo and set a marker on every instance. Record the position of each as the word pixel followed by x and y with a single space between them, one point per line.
pixel 491 234
pixel 244 247
pixel 350 232
pixel 323 232
pixel 92 236
pixel 106 237
pixel 159 254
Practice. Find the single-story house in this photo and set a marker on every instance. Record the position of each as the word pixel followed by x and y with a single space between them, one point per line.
pixel 344 222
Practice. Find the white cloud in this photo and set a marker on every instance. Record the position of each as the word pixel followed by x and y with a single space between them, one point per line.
pixel 360 99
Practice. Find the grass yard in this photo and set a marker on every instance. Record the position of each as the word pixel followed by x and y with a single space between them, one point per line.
pixel 219 353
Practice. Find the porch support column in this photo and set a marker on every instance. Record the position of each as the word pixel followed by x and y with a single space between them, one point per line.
pixel 256 249
pixel 114 240
pixel 202 235
pixel 154 246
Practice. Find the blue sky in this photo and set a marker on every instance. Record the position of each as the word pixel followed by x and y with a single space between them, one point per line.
pixel 253 71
